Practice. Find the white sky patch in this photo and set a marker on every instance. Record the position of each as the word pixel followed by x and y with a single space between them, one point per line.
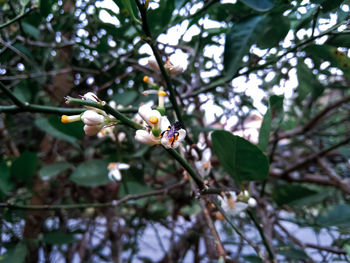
pixel 105 17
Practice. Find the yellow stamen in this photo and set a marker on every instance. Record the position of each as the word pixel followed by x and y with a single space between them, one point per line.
pixel 64 119
pixel 206 165
pixel 162 93
pixel 153 120
pixel 111 165
pixel 219 216
pixel 146 79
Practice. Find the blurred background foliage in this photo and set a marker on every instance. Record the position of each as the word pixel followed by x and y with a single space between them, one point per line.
pixel 282 64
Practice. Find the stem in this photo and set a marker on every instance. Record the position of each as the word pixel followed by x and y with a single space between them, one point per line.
pixel 114 203
pixel 104 106
pixel 188 168
pixel 20 16
pixel 172 96
pixel 15 100
pixel 262 234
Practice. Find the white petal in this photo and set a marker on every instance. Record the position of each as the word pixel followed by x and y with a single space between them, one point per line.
pixel 144 137
pixel 91 130
pixel 92 118
pixel 165 142
pixel 239 207
pixel 206 155
pixel 164 123
pixel 90 96
pixel 123 166
pixel 114 175
pixel 182 135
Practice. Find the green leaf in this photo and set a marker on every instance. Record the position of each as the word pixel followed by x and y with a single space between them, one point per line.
pixel 91 173
pixel 238 42
pixel 24 167
pixel 54 169
pixel 339 41
pixel 241 159
pixel 5 184
pixel 290 193
pixel 58 238
pixel 339 215
pixel 45 125
pixel 31 30
pixel 347 249
pixel 24 3
pixel 265 129
pixel 159 18
pixel 328 5
pixel 45 7
pixel 259 5
pixel 128 4
pixel 126 98
pixel 320 53
pixel 275 31
pixel 15 254
pixel 307 82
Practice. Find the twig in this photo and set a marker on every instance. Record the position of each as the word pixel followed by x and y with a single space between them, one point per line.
pixel 20 16
pixel 114 203
pixel 262 234
pixel 172 96
pixel 313 157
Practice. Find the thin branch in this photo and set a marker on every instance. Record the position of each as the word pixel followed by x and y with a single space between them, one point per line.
pixel 114 203
pixel 20 16
pixel 262 234
pixel 169 87
pixel 313 157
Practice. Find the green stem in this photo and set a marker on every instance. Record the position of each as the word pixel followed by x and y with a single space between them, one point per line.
pixel 104 106
pixel 41 109
pixel 15 100
pixel 169 86
pixel 262 234
pixel 188 168
pixel 20 16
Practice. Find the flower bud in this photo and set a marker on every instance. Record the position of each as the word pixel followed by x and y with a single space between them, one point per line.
pixel 92 130
pixel 252 202
pixel 92 118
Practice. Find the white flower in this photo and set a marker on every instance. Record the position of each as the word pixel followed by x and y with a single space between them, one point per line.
pixel 91 96
pixel 151 117
pixel 146 137
pixel 92 118
pixel 230 204
pixel 108 131
pixel 92 130
pixel 204 166
pixel 161 131
pixel 114 170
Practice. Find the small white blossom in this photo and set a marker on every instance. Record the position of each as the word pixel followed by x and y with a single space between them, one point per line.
pixel 91 97
pixel 252 202
pixel 114 170
pixel 92 118
pixel 92 130
pixel 230 204
pixel 204 165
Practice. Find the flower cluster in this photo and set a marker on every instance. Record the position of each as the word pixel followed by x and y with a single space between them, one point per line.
pixel 94 119
pixel 159 130
pixel 233 205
